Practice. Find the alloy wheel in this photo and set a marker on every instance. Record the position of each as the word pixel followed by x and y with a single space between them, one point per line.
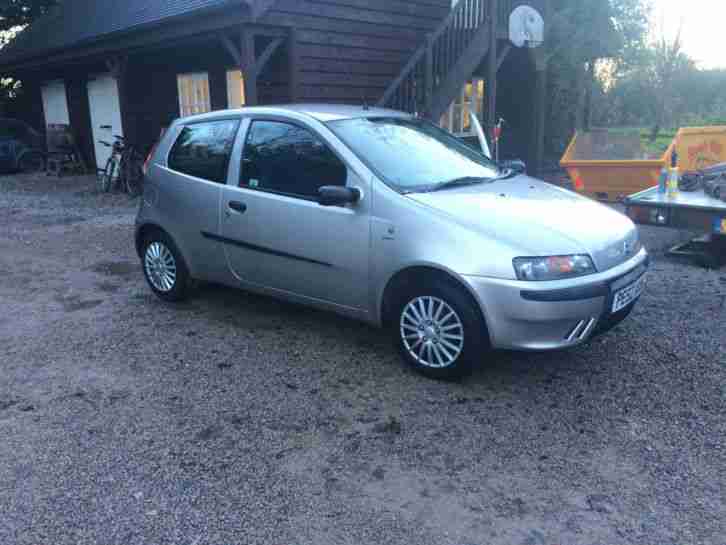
pixel 160 267
pixel 432 332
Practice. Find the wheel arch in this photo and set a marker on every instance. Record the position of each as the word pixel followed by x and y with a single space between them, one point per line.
pixel 142 231
pixel 419 274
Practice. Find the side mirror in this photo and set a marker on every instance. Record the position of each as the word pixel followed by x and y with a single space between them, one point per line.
pixel 515 165
pixel 335 195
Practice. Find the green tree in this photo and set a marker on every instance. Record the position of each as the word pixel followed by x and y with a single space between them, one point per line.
pixel 19 13
pixel 582 34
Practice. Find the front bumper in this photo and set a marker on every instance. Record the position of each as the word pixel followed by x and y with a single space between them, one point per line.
pixel 553 315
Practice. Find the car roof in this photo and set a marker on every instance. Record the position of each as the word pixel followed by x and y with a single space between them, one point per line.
pixel 320 112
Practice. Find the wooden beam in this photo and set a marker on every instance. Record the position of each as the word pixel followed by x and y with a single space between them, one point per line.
pixel 135 40
pixel 118 66
pixel 429 74
pixel 294 65
pixel 503 55
pixel 260 7
pixel 248 66
pixel 232 49
pixel 267 54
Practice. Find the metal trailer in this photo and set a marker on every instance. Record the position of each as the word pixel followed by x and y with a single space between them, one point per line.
pixel 693 211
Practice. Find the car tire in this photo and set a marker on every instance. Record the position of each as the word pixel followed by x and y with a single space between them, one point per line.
pixel 164 267
pixel 439 329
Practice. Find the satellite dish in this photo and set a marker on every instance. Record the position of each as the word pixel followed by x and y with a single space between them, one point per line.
pixel 526 27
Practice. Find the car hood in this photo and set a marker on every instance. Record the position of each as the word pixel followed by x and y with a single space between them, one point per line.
pixel 538 219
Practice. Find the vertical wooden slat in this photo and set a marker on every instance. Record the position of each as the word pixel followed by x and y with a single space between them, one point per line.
pixel 294 65
pixel 429 72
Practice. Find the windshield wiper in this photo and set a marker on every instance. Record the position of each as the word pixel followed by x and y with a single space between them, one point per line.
pixel 505 175
pixel 458 182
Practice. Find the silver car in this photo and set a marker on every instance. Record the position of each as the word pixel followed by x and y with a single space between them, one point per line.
pixel 386 218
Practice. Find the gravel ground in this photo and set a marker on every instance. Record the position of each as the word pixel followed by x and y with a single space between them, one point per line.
pixel 233 419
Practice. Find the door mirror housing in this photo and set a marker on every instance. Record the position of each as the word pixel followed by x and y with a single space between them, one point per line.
pixel 515 165
pixel 334 195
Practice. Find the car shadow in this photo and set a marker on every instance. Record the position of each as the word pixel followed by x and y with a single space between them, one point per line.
pixel 258 313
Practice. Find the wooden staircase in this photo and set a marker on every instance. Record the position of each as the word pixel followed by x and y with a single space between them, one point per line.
pixel 438 70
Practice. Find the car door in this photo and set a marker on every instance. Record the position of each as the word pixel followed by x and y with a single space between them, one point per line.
pixel 277 235
pixel 188 190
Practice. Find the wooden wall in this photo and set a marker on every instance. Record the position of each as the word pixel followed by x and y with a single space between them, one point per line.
pixel 350 50
pixel 347 51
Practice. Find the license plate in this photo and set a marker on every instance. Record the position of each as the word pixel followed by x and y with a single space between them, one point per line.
pixel 628 294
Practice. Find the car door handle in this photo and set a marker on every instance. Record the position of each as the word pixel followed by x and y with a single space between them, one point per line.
pixel 237 206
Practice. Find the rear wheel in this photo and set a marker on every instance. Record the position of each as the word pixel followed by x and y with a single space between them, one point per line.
pixel 439 330
pixel 133 176
pixel 106 177
pixel 164 267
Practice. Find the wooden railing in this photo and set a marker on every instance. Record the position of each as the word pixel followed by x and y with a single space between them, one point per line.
pixel 413 89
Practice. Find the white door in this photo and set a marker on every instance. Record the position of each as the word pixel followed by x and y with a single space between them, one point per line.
pixel 105 110
pixel 55 103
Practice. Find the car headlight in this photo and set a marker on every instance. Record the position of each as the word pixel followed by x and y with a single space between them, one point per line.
pixel 553 268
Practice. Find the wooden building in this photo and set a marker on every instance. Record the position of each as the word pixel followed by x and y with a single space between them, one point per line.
pixel 138 64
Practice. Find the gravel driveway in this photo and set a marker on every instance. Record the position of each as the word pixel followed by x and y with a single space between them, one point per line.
pixel 234 419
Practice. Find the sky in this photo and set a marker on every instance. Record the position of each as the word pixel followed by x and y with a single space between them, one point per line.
pixel 704 28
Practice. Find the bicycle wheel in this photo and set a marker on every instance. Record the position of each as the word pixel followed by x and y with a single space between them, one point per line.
pixel 31 162
pixel 106 178
pixel 133 176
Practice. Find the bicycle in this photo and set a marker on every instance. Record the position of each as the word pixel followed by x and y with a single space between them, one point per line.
pixel 124 169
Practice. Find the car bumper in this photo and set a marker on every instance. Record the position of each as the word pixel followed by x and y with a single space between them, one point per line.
pixel 554 315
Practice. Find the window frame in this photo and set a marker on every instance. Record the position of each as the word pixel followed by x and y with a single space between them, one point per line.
pixel 180 129
pixel 193 76
pixel 273 119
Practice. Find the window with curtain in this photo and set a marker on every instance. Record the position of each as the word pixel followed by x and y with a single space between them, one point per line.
pixel 457 119
pixel 235 89
pixel 193 94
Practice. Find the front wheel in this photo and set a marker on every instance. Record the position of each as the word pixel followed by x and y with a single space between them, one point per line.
pixel 439 330
pixel 31 162
pixel 164 267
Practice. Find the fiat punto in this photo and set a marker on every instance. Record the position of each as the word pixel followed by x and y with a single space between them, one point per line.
pixel 386 218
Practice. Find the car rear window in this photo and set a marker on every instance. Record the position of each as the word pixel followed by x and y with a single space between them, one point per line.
pixel 203 149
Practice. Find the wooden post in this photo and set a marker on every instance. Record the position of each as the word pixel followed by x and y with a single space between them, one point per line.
pixel 293 57
pixel 119 69
pixel 493 68
pixel 429 74
pixel 249 68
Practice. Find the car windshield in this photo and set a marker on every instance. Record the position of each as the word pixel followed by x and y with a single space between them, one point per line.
pixel 413 155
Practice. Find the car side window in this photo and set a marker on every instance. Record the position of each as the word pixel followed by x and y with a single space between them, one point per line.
pixel 203 149
pixel 288 159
